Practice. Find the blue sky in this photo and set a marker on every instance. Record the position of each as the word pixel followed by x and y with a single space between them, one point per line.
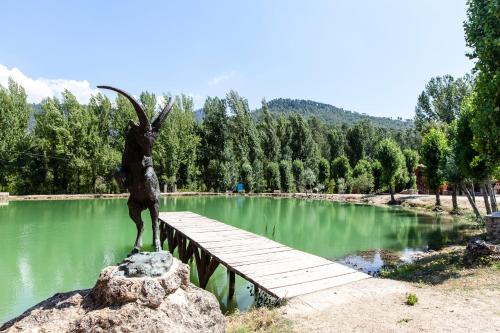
pixel 373 57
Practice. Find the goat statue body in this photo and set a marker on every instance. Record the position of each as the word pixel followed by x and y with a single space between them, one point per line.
pixel 136 172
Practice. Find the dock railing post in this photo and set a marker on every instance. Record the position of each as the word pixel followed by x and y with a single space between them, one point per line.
pixel 255 291
pixel 232 279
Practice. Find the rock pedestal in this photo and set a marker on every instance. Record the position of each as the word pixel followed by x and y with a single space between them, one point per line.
pixel 147 292
pixel 493 226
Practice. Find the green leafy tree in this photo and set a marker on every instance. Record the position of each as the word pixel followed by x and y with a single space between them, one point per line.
pixel 377 175
pixel 148 101
pixel 302 144
pixel 340 168
pixel 273 176
pixel 270 140
pixel 323 171
pixel 15 114
pixel 53 140
pixel 411 162
pixel 102 158
pixel 362 183
pixel 243 129
pixel 336 142
pixel 362 177
pixel 362 167
pixel 298 174
pixel 360 140
pixel 176 147
pixel 441 99
pixel 481 34
pixel 284 132
pixel 309 178
pixel 319 132
pixel 247 177
pixel 392 162
pixel 286 176
pixel 434 151
pixel 216 155
pixel 469 163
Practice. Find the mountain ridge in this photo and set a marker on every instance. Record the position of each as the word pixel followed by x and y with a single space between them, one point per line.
pixel 328 113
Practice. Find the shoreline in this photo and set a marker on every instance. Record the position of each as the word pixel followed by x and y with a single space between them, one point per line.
pixel 422 203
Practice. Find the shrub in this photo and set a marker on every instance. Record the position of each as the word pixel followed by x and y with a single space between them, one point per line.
pixel 340 186
pixel 362 183
pixel 411 299
pixel 331 186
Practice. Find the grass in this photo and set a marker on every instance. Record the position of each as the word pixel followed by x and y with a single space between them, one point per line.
pixel 262 319
pixel 404 320
pixel 436 268
pixel 411 299
pixel 429 270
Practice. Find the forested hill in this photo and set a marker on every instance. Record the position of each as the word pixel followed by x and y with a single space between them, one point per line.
pixel 328 113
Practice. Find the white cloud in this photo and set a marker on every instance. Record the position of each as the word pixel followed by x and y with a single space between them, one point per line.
pixel 40 88
pixel 221 78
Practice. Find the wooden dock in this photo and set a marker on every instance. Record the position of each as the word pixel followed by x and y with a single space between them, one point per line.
pixel 273 267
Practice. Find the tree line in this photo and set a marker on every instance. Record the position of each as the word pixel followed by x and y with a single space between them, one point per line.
pixel 459 119
pixel 63 146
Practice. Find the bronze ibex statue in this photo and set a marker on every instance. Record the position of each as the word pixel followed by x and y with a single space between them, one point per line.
pixel 136 172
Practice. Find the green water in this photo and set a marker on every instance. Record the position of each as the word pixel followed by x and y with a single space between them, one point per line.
pixel 55 246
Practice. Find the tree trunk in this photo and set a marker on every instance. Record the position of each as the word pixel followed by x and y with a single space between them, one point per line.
pixel 493 199
pixel 454 198
pixel 486 199
pixel 473 192
pixel 471 201
pixel 392 195
pixel 438 198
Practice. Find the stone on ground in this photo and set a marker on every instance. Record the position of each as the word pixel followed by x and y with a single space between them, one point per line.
pixel 147 292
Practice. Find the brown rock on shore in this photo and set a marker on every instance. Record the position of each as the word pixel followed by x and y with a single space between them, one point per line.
pixel 118 303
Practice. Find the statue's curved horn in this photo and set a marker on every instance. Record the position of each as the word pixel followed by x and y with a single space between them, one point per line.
pixel 160 119
pixel 143 119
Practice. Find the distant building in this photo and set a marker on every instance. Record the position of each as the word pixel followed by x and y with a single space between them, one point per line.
pixel 422 188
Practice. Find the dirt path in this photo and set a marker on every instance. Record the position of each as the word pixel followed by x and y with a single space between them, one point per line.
pixel 451 298
pixel 467 304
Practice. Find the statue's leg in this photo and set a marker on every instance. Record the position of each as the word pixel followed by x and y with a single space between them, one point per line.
pixel 134 211
pixel 154 211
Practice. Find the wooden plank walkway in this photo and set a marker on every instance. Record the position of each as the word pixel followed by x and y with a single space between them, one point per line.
pixel 273 267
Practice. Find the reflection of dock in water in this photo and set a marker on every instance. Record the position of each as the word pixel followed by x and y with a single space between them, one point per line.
pixel 277 269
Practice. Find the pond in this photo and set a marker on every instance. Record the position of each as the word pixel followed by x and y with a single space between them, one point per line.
pixel 56 246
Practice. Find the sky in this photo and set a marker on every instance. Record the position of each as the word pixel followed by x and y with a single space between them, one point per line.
pixel 372 57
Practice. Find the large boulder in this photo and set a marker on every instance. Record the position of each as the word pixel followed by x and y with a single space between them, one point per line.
pixel 148 292
pixel 478 250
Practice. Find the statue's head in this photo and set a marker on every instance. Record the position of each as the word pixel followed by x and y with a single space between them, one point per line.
pixel 145 132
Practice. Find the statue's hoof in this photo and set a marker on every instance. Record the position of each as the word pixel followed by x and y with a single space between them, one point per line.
pixel 135 250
